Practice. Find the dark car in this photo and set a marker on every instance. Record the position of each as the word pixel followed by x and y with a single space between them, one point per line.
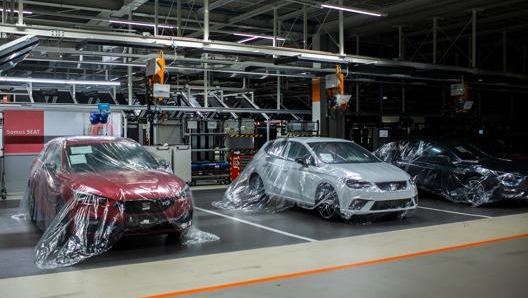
pixel 95 189
pixel 458 171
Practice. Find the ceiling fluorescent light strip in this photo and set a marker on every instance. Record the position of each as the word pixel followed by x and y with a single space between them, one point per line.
pixel 16 11
pixel 255 36
pixel 140 24
pixel 247 39
pixel 60 82
pixel 355 10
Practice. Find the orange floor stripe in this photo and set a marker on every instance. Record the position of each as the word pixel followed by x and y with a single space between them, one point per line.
pixel 333 268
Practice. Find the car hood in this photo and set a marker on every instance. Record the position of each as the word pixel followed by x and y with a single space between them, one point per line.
pixel 504 166
pixel 372 171
pixel 128 185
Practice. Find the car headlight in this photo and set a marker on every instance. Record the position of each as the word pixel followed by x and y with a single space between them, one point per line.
pixel 89 199
pixel 184 192
pixel 356 184
pixel 511 179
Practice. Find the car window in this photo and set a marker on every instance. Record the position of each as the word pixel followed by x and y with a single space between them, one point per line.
pixel 55 156
pixel 434 150
pixel 44 156
pixel 111 156
pixel 469 152
pixel 277 148
pixel 297 150
pixel 341 152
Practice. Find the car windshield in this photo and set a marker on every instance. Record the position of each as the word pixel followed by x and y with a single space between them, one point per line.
pixel 109 156
pixel 341 152
pixel 469 152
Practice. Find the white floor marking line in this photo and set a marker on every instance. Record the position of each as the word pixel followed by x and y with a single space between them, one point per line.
pixel 257 225
pixel 454 212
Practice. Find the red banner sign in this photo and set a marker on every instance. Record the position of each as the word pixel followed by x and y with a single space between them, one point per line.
pixel 23 131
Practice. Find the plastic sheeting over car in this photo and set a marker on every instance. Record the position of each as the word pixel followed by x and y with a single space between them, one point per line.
pixel 88 192
pixel 245 194
pixel 458 171
pixel 336 177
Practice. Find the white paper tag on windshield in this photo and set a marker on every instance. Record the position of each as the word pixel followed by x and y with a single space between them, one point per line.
pixel 77 159
pixel 81 150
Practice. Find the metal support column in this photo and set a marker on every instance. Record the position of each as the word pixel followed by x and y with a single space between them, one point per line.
pixel 206 38
pixel 20 12
pixel 400 42
pixel 474 38
pixel 129 85
pixel 357 97
pixel 206 20
pixel 275 25
pixel 435 23
pixel 125 124
pixel 279 99
pixel 129 68
pixel 403 98
pixel 504 51
pixel 30 92
pixel 341 31
pixel 267 130
pixel 156 4
pixel 74 91
pixel 305 27
pixel 317 113
pixel 275 33
pixel 179 19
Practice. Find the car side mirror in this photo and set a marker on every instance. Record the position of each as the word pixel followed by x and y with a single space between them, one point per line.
pixel 304 161
pixel 50 167
pixel 164 164
pixel 301 161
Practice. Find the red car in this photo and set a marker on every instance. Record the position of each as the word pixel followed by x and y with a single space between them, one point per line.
pixel 97 188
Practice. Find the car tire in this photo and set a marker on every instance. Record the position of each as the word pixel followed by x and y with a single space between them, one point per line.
pixel 327 202
pixel 477 194
pixel 31 203
pixel 256 186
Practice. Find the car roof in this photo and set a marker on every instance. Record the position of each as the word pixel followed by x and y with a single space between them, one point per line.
pixel 441 140
pixel 79 140
pixel 315 139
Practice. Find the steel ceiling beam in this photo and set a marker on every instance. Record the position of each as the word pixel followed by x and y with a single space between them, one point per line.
pixel 409 12
pixel 233 48
pixel 67 6
pixel 245 16
pixel 127 8
pixel 89 108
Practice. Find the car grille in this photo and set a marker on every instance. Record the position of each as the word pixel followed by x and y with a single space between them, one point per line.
pixel 149 206
pixel 392 186
pixel 391 204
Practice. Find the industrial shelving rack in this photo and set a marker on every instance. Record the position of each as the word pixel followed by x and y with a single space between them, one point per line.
pixel 240 139
pixel 300 128
pixel 209 162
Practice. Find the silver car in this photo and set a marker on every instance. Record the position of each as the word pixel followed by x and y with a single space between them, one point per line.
pixel 334 176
